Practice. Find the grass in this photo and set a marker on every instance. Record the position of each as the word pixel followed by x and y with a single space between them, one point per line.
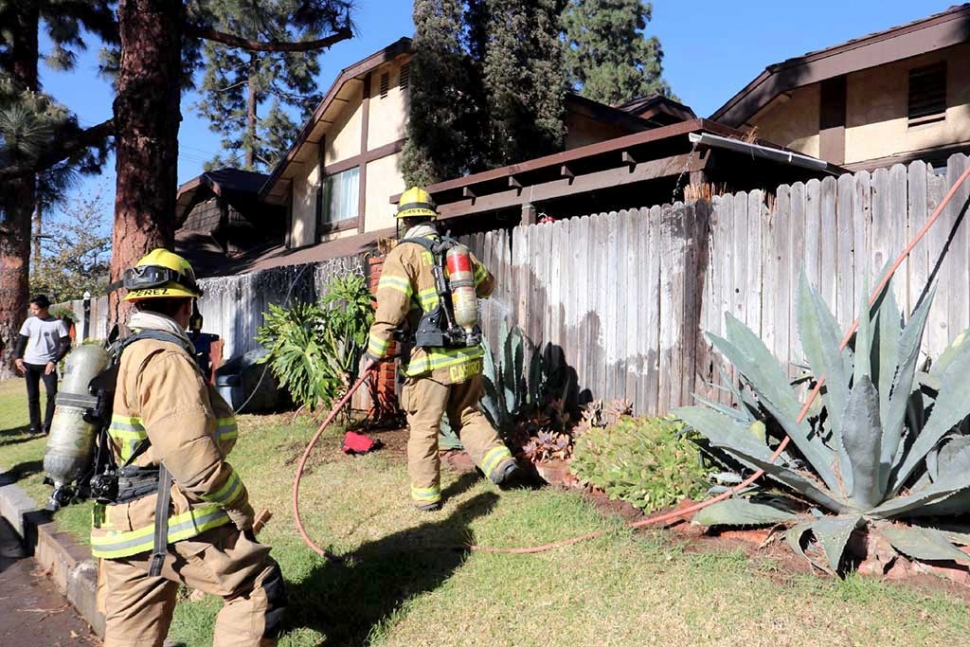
pixel 408 585
pixel 22 455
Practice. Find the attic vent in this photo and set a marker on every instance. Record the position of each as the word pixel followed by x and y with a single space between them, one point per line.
pixel 927 94
pixel 405 76
pixel 385 83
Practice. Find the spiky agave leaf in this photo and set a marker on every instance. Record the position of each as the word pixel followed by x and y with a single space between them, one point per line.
pixel 762 371
pixel 861 436
pixel 952 405
pixel 947 356
pixel 921 502
pixel 919 542
pixel 897 399
pixel 833 534
pixel 741 512
pixel 794 539
pixel 735 438
pixel 820 336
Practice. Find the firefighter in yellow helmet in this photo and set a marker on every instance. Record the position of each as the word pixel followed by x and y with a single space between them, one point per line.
pixel 171 433
pixel 440 380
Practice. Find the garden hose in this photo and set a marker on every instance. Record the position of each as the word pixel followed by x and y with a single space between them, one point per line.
pixel 676 515
pixel 299 470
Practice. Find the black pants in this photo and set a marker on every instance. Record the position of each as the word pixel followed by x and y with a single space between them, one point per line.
pixel 34 374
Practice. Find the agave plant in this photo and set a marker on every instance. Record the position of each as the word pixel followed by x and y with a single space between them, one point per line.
pixel 510 384
pixel 882 452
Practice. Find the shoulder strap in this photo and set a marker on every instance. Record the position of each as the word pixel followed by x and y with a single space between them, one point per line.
pixel 158 335
pixel 427 243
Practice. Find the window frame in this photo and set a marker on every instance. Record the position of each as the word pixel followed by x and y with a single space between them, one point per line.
pixel 325 222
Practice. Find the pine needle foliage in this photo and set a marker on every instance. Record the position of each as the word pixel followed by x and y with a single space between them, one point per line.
pixel 608 57
pixel 487 86
pixel 237 86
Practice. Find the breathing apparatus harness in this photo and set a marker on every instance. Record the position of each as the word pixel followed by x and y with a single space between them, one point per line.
pixel 107 482
pixel 440 327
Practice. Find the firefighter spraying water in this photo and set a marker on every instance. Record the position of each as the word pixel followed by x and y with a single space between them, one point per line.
pixel 428 295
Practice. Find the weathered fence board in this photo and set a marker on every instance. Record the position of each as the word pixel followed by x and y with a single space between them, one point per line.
pixel 959 313
pixel 626 296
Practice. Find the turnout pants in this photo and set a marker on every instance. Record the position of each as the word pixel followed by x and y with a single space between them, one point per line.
pixel 34 373
pixel 425 401
pixel 222 561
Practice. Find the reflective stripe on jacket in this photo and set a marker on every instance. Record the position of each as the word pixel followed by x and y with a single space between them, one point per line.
pixel 406 290
pixel 161 395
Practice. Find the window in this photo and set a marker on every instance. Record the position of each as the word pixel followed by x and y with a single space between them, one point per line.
pixel 405 76
pixel 385 84
pixel 927 94
pixel 339 201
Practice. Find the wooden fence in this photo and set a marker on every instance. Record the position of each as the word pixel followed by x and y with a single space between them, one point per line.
pixel 626 295
pixel 622 299
pixel 233 306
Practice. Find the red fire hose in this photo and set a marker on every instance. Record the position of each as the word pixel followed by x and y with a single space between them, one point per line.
pixel 668 517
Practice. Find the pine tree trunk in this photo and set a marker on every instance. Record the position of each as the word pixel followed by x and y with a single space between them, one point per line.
pixel 38 232
pixel 251 114
pixel 146 115
pixel 20 195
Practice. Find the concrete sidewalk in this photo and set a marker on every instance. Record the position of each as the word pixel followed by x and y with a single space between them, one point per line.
pixel 65 566
pixel 34 613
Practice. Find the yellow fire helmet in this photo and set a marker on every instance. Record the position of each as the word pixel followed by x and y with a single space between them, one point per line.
pixel 161 274
pixel 416 203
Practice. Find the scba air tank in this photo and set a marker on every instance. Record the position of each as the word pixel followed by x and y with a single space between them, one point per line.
pixel 70 446
pixel 461 278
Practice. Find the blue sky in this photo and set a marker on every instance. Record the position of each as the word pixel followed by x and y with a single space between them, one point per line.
pixel 712 49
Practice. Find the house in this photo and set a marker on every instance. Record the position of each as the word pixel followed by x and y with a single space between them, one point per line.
pixel 890 97
pixel 221 222
pixel 684 160
pixel 336 180
pixel 335 187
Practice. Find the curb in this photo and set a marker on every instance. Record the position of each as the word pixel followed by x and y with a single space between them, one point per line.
pixel 70 565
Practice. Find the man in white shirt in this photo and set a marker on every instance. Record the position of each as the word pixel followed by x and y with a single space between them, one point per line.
pixel 43 342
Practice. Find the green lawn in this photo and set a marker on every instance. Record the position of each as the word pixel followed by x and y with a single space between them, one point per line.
pixel 410 586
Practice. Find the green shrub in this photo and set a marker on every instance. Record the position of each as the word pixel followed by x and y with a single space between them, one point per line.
pixel 315 348
pixel 648 462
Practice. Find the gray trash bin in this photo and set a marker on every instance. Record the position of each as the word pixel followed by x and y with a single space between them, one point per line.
pixel 241 377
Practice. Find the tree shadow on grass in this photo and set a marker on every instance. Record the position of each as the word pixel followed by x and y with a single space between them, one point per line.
pixel 20 471
pixel 347 600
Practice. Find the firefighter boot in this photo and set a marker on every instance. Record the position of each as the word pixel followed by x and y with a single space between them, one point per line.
pixel 505 473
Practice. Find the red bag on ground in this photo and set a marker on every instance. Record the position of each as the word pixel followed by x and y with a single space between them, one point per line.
pixel 355 443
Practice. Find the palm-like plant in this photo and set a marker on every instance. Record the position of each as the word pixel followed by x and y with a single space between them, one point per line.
pixel 882 453
pixel 315 348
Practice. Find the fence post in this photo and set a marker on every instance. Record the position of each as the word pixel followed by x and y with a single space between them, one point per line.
pixel 86 317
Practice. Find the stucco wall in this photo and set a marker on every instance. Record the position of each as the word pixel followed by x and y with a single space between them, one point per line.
pixel 383 180
pixel 343 136
pixel 793 123
pixel 304 209
pixel 877 104
pixel 388 116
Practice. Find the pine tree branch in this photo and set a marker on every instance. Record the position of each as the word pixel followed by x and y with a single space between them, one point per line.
pixel 60 151
pixel 232 40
